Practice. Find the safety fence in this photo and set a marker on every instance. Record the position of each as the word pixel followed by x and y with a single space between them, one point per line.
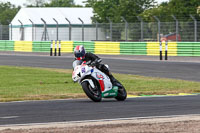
pixel 113 48
pixel 140 31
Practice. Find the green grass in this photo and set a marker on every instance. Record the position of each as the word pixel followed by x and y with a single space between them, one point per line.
pixel 26 83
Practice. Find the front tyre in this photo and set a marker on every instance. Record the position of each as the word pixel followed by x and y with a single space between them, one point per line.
pixel 93 93
pixel 122 94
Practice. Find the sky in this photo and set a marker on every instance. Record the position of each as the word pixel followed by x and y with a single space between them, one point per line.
pixel 21 2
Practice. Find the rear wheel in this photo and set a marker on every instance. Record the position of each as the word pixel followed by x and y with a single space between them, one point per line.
pixel 122 94
pixel 93 93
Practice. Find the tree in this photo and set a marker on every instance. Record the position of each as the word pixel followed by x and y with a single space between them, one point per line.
pixel 114 9
pixel 7 12
pixel 51 3
pixel 61 3
pixel 179 8
pixel 183 8
pixel 162 11
pixel 35 3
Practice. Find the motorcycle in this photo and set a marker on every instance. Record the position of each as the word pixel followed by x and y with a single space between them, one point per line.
pixel 96 84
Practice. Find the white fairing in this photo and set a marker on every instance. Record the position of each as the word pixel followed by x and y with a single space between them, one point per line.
pixel 90 82
pixel 81 71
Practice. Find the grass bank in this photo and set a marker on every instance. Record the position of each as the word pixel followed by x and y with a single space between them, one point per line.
pixel 26 83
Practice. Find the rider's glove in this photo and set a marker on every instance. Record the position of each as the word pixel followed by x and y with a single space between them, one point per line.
pixel 93 63
pixel 98 60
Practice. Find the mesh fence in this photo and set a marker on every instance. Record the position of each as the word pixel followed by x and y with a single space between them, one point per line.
pixel 4 32
pixel 139 31
pixel 198 31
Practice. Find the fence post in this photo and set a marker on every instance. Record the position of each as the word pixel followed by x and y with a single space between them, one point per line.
pixel 59 50
pixel 141 27
pixel 126 28
pixel 166 49
pixel 45 29
pixel 195 28
pixel 156 18
pixel 110 28
pixel 160 50
pixel 70 28
pixel 10 29
pixel 51 49
pixel 97 31
pixel 176 27
pixel 56 28
pixel 82 28
pixel 22 28
pixel 9 34
pixel 32 29
pixel 1 28
pixel 55 51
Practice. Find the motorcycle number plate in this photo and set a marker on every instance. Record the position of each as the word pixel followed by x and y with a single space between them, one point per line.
pixel 83 70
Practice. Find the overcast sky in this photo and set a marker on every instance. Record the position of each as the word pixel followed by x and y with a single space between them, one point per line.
pixel 21 2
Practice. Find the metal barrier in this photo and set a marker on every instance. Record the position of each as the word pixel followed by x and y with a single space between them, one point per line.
pixel 119 48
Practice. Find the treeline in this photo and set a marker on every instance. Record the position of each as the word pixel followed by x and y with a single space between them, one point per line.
pixel 114 10
pixel 7 12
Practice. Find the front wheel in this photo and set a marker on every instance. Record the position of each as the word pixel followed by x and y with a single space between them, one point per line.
pixel 122 94
pixel 93 93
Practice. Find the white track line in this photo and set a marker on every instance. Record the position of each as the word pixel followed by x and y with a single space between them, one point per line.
pixel 93 121
pixel 9 117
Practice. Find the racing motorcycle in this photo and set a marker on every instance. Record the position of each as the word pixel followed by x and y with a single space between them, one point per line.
pixel 96 84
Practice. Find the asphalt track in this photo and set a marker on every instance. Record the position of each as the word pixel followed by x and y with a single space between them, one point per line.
pixel 176 70
pixel 84 109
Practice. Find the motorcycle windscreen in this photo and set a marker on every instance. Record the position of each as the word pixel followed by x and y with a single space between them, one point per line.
pixel 76 63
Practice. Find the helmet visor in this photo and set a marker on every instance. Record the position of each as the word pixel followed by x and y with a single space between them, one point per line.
pixel 78 55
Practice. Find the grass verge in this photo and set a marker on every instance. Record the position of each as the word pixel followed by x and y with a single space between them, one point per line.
pixel 26 83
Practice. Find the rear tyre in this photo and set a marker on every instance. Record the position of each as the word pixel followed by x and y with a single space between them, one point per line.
pixel 93 93
pixel 122 94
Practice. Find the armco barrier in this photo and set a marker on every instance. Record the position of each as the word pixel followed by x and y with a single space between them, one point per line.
pixel 6 45
pixel 172 48
pixel 188 49
pixel 41 46
pixel 112 48
pixel 133 48
pixel 153 48
pixel 67 46
pixel 23 46
pixel 115 48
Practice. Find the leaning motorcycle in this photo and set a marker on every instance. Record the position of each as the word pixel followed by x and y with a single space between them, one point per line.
pixel 96 84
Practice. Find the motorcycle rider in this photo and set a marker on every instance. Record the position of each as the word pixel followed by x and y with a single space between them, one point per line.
pixel 80 54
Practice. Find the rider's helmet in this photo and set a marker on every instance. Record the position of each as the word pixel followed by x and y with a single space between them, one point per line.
pixel 79 52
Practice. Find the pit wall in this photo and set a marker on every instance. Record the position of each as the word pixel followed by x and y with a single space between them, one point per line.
pixel 112 48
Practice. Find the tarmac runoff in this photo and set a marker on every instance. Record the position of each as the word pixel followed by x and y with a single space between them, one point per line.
pixel 179 94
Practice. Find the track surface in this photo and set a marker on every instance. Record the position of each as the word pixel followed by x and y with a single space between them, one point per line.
pixel 177 70
pixel 79 110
